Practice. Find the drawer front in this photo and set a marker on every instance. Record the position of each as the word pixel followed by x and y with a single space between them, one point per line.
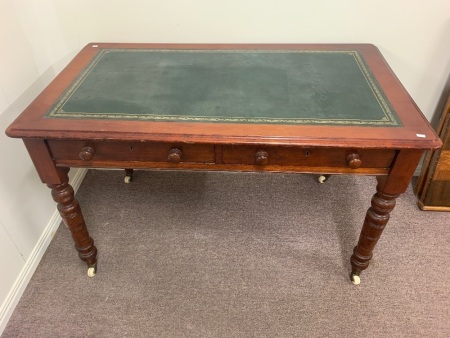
pixel 308 157
pixel 104 151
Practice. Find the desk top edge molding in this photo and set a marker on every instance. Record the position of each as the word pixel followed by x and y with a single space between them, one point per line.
pixel 31 123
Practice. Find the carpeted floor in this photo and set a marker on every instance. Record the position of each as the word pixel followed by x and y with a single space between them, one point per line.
pixel 200 254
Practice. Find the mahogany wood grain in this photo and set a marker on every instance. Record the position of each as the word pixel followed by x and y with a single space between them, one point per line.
pixel 56 144
pixel 308 156
pixel 32 123
pixel 219 167
pixel 433 186
pixel 70 212
pixel 131 151
pixel 383 202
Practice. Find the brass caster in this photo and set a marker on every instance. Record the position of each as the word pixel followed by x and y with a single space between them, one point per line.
pixel 127 179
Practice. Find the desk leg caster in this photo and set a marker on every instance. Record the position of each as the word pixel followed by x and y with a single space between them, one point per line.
pixel 92 270
pixel 323 178
pixel 128 176
pixel 356 280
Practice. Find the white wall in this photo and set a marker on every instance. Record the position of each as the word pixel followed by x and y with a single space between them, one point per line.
pixel 33 51
pixel 39 37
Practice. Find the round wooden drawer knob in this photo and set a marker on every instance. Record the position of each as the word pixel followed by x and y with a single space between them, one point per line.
pixel 262 157
pixel 174 155
pixel 87 153
pixel 354 161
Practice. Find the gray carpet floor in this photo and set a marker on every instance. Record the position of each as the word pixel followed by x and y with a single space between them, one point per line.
pixel 201 254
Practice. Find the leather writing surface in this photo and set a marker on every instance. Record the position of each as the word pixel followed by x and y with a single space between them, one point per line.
pixel 292 87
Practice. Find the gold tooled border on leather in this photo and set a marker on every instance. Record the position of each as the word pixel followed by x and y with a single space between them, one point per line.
pixel 390 117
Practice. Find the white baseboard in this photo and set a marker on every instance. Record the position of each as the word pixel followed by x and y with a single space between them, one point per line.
pixel 16 292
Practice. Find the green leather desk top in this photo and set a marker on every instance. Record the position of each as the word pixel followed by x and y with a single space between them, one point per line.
pixel 289 87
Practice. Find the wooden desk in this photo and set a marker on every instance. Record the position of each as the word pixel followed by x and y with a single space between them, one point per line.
pixel 330 109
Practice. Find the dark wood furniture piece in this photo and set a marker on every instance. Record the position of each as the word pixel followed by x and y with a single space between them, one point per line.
pixel 433 186
pixel 326 109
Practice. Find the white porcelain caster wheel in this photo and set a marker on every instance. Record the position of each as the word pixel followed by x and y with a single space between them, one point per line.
pixel 91 271
pixel 322 179
pixel 356 280
pixel 127 179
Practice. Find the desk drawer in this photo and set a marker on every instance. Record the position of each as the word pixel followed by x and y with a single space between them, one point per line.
pixel 105 151
pixel 308 157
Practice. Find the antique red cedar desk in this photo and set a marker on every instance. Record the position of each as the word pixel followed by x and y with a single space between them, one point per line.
pixel 280 108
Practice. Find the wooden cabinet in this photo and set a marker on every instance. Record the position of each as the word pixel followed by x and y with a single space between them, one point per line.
pixel 433 187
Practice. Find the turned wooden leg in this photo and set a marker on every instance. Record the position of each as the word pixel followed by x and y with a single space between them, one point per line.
pixel 383 202
pixel 70 211
pixel 376 219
